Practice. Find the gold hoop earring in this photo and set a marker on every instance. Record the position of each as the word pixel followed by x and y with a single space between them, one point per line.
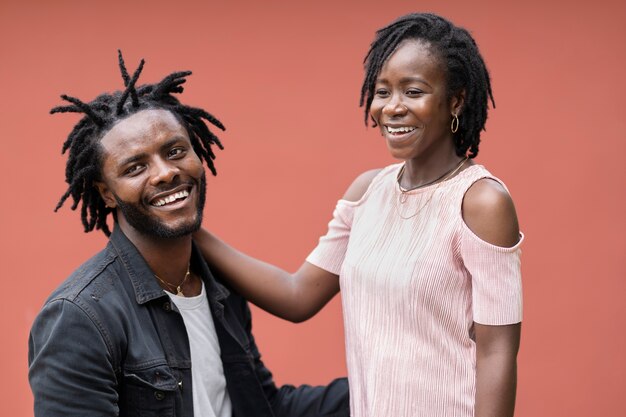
pixel 455 123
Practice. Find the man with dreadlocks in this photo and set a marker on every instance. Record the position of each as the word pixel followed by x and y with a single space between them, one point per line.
pixel 144 328
pixel 426 251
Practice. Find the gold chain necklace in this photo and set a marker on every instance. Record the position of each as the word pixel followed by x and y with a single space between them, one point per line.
pixel 403 193
pixel 179 290
pixel 406 190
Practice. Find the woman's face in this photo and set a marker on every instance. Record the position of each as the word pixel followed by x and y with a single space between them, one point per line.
pixel 410 103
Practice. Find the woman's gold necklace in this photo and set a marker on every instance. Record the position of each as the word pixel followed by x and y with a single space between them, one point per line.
pixel 404 192
pixel 179 287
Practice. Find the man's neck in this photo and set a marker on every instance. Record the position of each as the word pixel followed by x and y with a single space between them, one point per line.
pixel 167 257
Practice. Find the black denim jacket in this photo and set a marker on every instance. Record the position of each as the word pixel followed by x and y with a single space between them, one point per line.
pixel 108 342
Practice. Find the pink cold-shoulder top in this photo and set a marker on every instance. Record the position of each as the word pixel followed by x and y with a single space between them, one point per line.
pixel 414 279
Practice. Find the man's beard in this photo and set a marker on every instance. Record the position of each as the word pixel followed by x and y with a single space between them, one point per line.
pixel 148 225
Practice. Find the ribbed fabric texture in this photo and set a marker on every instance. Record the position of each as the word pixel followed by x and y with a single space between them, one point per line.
pixel 411 290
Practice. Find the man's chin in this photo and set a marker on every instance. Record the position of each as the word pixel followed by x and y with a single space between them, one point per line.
pixel 164 231
pixel 154 227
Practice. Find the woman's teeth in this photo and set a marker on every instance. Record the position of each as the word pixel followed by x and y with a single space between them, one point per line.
pixel 404 129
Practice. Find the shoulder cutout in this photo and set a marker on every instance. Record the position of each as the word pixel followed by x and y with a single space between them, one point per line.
pixel 489 212
pixel 357 189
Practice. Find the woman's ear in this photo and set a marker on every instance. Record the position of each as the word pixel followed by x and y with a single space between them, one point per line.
pixel 457 102
pixel 106 194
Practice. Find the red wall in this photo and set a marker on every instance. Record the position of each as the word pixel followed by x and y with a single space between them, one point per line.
pixel 284 77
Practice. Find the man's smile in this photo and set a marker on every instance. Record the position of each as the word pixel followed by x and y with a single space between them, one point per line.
pixel 172 197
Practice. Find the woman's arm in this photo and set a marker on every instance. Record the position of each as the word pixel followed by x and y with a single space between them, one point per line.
pixel 489 212
pixel 293 296
pixel 496 369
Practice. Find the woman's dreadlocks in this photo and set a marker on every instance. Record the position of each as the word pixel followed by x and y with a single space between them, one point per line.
pixel 84 162
pixel 460 58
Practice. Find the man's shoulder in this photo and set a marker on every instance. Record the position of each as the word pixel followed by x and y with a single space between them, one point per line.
pixel 91 275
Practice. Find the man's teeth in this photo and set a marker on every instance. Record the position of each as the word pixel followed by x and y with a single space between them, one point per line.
pixel 404 129
pixel 171 198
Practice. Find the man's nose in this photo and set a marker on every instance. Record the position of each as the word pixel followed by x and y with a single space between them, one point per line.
pixel 163 171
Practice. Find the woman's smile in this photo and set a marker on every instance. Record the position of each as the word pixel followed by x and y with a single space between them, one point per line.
pixel 399 133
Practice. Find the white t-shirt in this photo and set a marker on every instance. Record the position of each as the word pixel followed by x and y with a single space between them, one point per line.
pixel 210 397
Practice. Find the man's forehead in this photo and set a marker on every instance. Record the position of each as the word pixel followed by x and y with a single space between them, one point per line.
pixel 142 128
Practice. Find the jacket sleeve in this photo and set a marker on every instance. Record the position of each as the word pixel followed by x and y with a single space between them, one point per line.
pixel 303 401
pixel 70 367
pixel 307 401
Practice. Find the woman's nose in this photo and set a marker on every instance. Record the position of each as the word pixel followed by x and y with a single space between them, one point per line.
pixel 394 107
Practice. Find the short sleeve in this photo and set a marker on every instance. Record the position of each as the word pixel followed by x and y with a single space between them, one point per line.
pixel 331 249
pixel 496 279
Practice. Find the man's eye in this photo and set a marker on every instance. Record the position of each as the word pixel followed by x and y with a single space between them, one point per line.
pixel 175 152
pixel 133 169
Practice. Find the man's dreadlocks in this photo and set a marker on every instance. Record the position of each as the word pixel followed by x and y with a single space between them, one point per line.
pixel 83 166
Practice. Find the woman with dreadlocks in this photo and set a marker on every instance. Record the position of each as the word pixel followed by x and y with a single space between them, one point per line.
pixel 426 252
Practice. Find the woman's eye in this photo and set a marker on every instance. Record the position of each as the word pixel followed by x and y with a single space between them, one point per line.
pixel 414 92
pixel 381 92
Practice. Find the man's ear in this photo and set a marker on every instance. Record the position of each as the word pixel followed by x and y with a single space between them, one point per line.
pixel 457 102
pixel 106 194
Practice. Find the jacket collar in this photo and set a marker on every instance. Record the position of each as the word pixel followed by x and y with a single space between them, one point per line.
pixel 142 278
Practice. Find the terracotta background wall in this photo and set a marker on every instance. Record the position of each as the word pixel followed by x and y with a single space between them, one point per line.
pixel 284 77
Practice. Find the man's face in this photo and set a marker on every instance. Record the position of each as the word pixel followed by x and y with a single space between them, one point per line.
pixel 152 176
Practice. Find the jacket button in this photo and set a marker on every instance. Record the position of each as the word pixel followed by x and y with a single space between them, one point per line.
pixel 159 395
pixel 167 306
